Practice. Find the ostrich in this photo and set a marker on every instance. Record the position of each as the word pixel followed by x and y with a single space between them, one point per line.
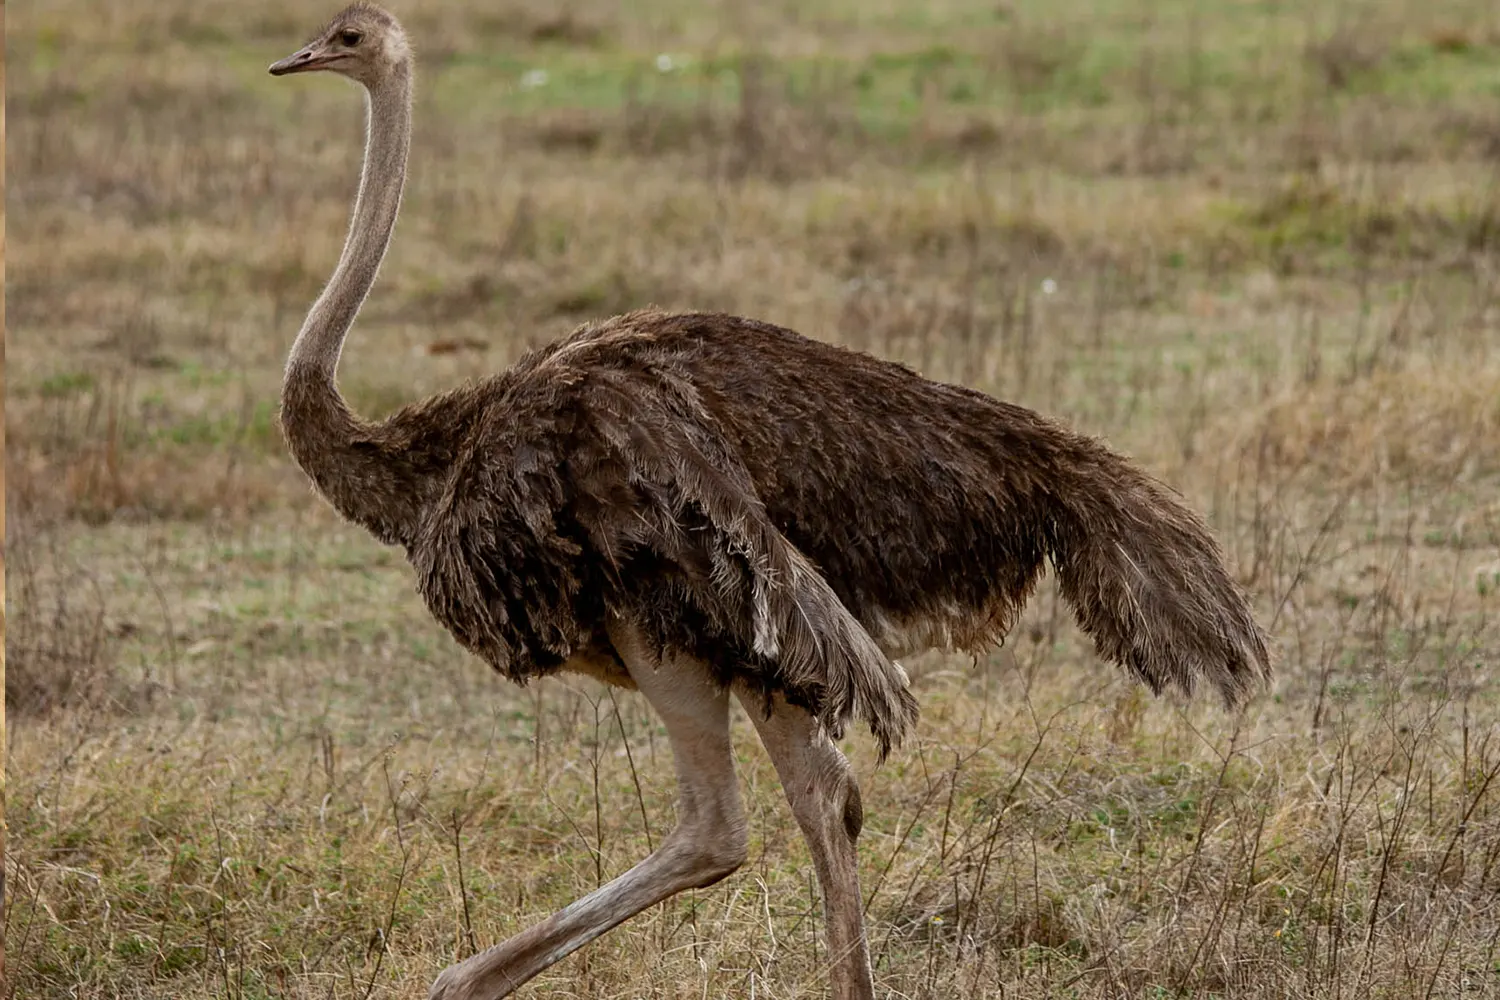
pixel 698 505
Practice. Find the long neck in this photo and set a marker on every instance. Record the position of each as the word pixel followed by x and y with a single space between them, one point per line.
pixel 332 445
pixel 387 139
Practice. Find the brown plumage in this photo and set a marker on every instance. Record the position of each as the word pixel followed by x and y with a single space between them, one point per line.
pixel 715 494
pixel 668 467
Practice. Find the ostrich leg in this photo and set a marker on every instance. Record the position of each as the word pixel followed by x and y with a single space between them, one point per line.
pixel 708 843
pixel 825 800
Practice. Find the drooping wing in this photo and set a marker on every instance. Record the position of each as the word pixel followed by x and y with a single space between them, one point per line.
pixel 586 476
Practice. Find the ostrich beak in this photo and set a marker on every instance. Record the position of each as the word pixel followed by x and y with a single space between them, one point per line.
pixel 306 60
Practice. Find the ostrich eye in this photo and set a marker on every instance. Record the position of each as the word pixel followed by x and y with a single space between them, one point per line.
pixel 350 37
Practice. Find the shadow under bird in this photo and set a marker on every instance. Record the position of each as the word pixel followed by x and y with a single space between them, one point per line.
pixel 697 505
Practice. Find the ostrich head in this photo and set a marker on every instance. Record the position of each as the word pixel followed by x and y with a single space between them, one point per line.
pixel 362 42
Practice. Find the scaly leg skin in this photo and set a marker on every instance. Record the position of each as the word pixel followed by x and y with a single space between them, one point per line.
pixel 824 797
pixel 710 840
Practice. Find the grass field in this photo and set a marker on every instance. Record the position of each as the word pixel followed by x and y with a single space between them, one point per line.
pixel 1254 244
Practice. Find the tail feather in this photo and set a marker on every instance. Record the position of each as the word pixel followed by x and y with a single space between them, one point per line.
pixel 1147 582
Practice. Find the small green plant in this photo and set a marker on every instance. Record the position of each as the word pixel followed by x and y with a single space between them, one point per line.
pixel 66 384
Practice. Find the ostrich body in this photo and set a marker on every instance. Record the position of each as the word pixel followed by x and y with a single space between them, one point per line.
pixel 691 505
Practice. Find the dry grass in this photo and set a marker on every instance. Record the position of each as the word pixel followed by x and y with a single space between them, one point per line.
pixel 1254 245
